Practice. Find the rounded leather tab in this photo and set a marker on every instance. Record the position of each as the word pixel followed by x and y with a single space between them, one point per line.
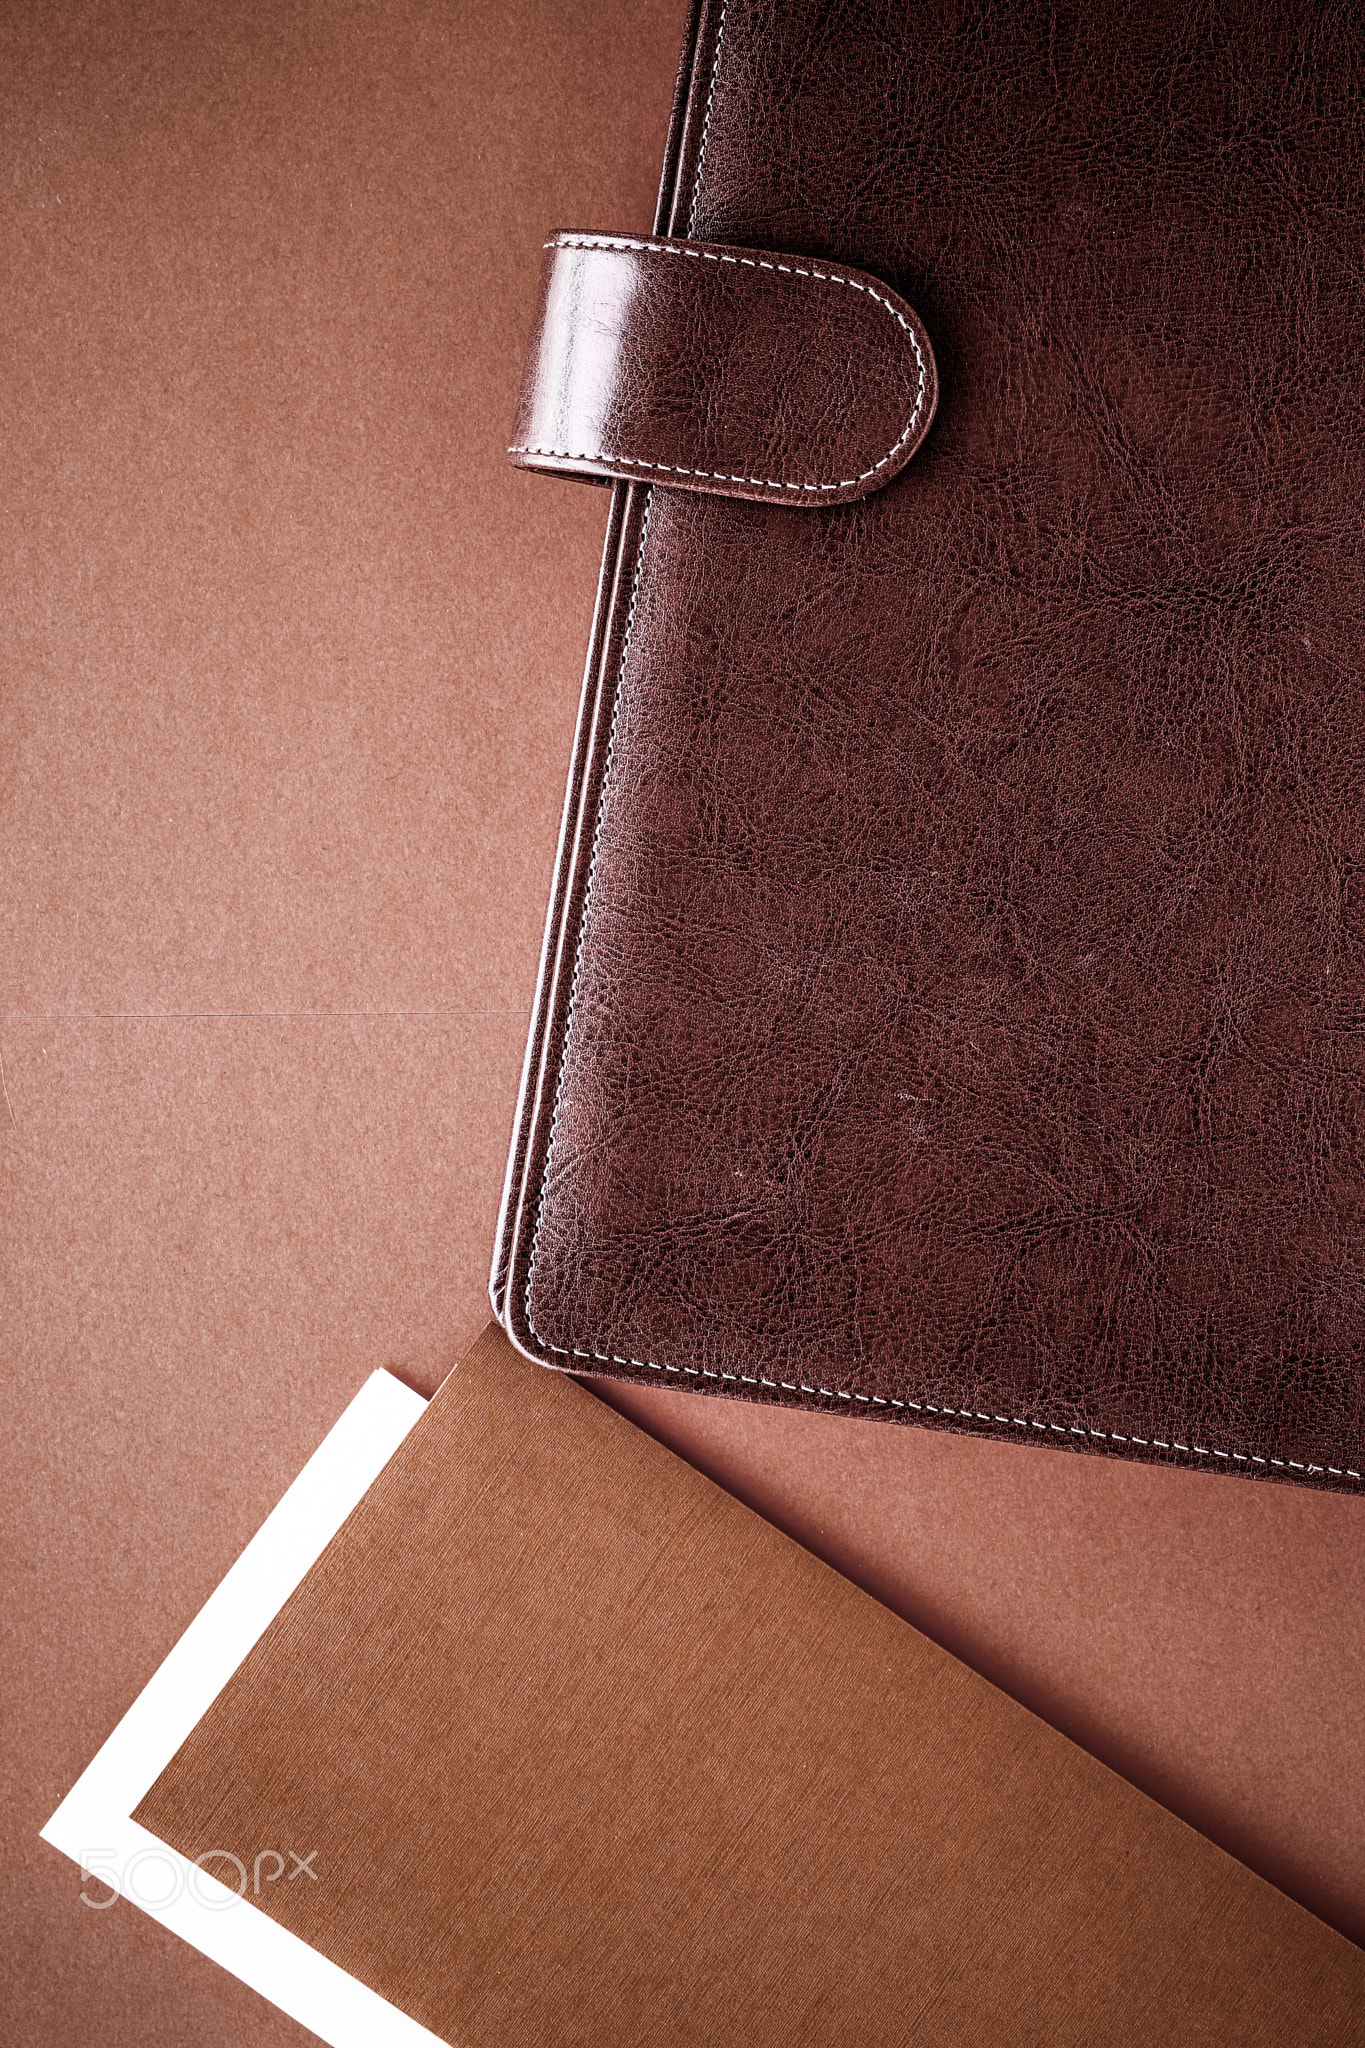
pixel 736 371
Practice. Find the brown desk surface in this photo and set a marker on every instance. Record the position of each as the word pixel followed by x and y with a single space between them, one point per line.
pixel 292 664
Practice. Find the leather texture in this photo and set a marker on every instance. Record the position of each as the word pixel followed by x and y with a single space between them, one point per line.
pixel 735 371
pixel 953 1012
pixel 587 1753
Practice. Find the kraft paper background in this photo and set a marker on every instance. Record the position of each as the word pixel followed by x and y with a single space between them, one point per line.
pixel 291 664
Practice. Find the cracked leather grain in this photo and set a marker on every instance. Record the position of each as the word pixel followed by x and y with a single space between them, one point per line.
pixel 956 1009
pixel 735 371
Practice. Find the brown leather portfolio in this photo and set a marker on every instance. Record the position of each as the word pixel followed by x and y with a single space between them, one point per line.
pixel 585 1752
pixel 952 1007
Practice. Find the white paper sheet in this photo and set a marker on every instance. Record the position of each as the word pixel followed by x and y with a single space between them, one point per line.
pixel 92 1824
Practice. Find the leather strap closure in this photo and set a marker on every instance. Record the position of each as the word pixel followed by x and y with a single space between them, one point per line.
pixel 735 371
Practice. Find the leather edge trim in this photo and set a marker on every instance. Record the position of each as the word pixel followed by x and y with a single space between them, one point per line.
pixel 679 186
pixel 538 1022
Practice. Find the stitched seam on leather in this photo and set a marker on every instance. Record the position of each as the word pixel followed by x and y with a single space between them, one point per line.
pixel 800 1386
pixel 583 920
pixel 748 263
pixel 963 1414
pixel 706 121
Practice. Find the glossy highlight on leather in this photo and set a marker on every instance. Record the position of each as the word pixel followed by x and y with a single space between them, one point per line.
pixel 733 371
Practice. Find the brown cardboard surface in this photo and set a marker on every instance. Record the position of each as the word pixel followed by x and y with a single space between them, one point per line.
pixel 587 1753
pixel 292 660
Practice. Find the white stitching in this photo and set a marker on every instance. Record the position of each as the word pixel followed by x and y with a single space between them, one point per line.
pixel 698 1371
pixel 766 483
pixel 706 120
pixel 889 1401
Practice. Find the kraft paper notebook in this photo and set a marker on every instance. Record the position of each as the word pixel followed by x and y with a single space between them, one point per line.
pixel 577 1749
pixel 952 1007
